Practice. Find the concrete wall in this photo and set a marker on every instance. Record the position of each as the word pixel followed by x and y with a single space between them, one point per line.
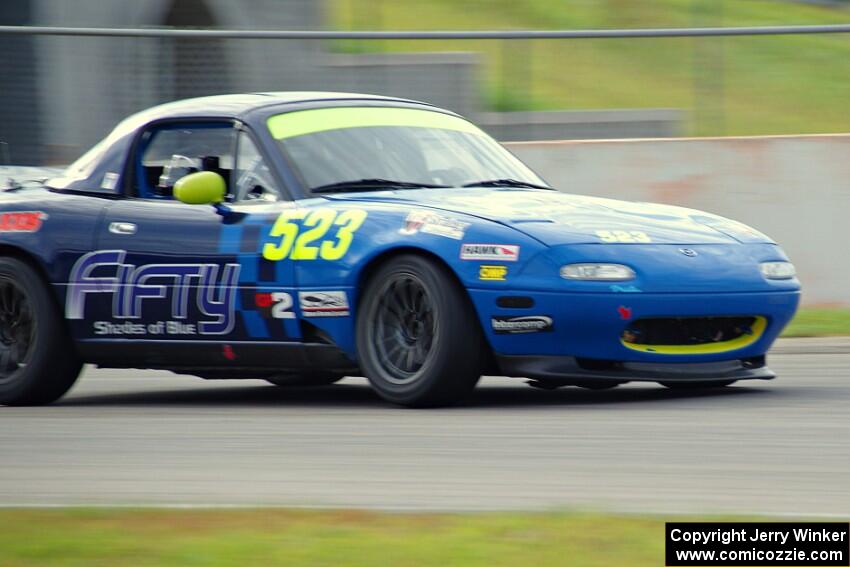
pixel 20 124
pixel 60 95
pixel 86 85
pixel 796 189
pixel 446 79
pixel 583 124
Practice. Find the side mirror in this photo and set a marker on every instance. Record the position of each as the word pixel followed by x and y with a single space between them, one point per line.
pixel 201 188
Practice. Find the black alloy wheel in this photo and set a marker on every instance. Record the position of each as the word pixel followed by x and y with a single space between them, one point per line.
pixel 38 361
pixel 418 337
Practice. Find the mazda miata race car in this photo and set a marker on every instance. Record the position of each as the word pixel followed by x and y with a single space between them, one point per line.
pixel 303 237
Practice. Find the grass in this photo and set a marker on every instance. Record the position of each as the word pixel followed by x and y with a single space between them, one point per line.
pixel 201 538
pixel 761 85
pixel 819 322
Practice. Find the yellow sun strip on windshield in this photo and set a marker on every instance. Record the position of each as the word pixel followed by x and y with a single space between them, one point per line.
pixel 707 348
pixel 302 122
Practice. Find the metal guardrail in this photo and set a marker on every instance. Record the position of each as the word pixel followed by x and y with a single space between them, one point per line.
pixel 430 35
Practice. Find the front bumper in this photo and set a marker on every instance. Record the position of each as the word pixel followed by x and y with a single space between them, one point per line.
pixel 568 370
pixel 590 325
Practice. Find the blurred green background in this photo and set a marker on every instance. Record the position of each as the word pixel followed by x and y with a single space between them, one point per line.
pixel 335 538
pixel 734 86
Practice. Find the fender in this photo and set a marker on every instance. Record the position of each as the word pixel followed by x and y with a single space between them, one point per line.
pixel 392 229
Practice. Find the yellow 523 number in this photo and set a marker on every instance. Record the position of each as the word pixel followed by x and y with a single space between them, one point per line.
pixel 303 234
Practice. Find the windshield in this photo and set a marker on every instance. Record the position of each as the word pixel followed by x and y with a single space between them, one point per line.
pixel 372 147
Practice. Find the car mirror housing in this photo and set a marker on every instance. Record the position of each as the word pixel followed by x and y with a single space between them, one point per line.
pixel 201 188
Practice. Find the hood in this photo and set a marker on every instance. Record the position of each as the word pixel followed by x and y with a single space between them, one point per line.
pixel 556 218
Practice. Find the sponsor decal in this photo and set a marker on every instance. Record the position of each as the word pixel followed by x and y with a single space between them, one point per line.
pixel 524 324
pixel 500 252
pixel 208 289
pixel 323 303
pixel 22 221
pixel 492 273
pixel 625 312
pixel 433 223
pixel 623 236
pixel 275 305
pixel 624 288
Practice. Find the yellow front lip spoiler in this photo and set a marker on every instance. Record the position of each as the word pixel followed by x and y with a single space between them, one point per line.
pixel 743 341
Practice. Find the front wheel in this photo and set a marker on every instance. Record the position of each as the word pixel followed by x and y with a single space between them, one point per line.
pixel 418 338
pixel 38 363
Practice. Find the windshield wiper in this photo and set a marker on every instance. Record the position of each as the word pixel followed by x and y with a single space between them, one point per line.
pixel 504 183
pixel 376 183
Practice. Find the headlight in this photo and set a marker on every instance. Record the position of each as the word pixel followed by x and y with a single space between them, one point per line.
pixel 597 272
pixel 778 270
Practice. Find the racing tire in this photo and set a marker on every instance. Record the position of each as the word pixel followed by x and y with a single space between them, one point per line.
pixel 304 380
pixel 418 338
pixel 38 363
pixel 698 384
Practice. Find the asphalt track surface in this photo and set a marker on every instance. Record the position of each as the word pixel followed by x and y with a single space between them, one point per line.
pixel 154 438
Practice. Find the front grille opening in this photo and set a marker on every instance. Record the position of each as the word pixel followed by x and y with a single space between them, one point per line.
pixel 690 331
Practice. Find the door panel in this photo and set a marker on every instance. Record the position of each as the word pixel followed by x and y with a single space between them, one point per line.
pixel 166 271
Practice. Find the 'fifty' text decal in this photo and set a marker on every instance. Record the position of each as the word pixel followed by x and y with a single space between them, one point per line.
pixel 132 286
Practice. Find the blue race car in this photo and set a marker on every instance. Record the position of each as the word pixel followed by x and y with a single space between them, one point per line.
pixel 302 237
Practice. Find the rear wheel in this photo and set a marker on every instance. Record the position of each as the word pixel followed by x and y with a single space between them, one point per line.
pixel 38 363
pixel 418 339
pixel 697 384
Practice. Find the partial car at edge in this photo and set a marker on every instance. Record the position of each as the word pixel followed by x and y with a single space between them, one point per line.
pixel 302 237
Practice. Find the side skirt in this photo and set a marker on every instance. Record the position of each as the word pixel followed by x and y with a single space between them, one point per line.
pixel 212 355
